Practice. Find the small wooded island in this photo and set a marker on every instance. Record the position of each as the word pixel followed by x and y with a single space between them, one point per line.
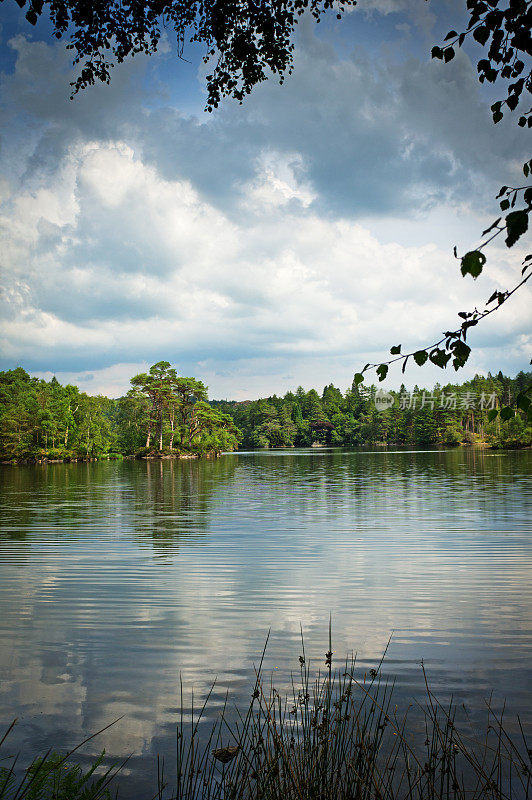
pixel 164 414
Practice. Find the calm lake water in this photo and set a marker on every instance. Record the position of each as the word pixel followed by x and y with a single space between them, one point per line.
pixel 118 577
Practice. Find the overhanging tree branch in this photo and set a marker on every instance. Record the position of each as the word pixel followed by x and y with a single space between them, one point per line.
pixel 454 342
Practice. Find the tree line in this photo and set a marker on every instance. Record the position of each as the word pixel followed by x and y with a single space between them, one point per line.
pixel 164 413
pixel 444 415
pixel 161 414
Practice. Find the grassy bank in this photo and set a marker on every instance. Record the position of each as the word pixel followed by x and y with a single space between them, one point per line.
pixel 332 736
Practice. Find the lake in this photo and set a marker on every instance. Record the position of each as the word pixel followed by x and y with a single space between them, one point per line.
pixel 118 577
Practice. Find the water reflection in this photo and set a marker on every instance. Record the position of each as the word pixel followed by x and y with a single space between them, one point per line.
pixel 117 577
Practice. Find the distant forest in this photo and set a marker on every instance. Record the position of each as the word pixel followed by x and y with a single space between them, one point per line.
pixel 444 415
pixel 166 414
pixel 162 414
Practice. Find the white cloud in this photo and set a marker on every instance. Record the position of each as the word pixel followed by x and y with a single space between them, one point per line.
pixel 142 267
pixel 306 231
pixel 278 181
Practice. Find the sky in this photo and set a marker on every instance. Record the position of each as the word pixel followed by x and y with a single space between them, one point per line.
pixel 286 241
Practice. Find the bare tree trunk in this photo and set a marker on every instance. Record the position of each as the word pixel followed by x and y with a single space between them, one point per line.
pixel 191 428
pixel 172 434
pixel 148 438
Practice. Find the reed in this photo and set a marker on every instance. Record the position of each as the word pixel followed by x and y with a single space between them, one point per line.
pixel 336 737
pixel 331 736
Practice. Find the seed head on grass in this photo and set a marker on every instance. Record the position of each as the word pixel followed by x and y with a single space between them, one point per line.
pixel 225 754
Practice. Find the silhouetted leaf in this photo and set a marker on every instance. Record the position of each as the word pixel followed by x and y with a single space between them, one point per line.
pixel 461 353
pixel 481 34
pixel 472 263
pixel 382 371
pixel 448 54
pixel 420 357
pixel 516 225
pixel 439 357
pixel 523 401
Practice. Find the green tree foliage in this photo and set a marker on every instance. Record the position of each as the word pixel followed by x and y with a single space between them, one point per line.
pixel 156 385
pixel 176 409
pixel 445 415
pixel 161 413
pixel 40 419
pixel 44 420
pixel 130 419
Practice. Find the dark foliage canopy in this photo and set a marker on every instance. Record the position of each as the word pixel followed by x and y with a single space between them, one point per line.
pixel 504 28
pixel 244 39
pixel 247 39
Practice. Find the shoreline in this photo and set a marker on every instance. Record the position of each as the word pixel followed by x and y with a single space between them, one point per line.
pixel 114 457
pixel 216 454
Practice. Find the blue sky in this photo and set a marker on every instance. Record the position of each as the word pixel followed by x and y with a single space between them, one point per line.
pixel 282 242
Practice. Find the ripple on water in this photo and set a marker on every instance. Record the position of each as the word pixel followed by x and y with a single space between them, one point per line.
pixel 118 577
